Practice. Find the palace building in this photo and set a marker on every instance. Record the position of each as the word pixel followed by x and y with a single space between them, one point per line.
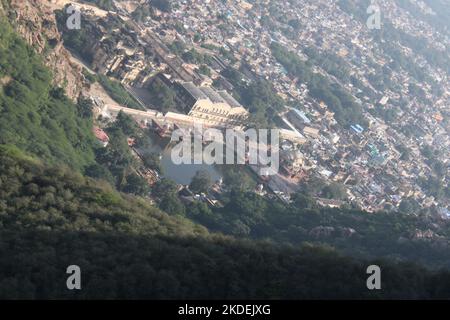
pixel 216 108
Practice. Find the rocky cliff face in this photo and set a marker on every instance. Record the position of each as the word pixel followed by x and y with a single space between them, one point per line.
pixel 35 21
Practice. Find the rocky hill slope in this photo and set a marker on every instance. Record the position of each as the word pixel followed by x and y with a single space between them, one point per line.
pixel 35 21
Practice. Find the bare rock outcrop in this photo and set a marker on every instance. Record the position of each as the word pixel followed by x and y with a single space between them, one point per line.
pixel 35 21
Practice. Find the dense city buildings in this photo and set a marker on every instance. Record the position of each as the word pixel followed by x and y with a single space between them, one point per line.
pixel 353 112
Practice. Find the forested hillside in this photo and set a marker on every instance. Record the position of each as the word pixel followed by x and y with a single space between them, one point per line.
pixel 51 218
pixel 35 116
pixel 407 234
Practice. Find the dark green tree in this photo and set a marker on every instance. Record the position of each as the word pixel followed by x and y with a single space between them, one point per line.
pixel 201 182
